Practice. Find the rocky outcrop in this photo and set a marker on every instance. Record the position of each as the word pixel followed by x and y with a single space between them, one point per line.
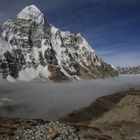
pixel 33 49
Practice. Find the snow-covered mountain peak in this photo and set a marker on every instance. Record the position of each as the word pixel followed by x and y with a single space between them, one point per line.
pixel 31 13
pixel 32 49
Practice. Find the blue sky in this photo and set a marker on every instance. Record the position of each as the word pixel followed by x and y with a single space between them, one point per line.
pixel 112 27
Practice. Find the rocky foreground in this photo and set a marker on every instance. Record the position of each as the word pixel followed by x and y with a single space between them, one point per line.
pixel 112 117
pixel 19 129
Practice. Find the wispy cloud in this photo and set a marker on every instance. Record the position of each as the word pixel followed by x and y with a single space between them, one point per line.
pixel 121 57
pixel 123 60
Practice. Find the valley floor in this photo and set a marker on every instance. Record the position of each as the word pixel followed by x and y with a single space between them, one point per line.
pixel 112 117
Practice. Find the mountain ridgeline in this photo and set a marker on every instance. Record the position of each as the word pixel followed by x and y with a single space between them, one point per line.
pixel 129 70
pixel 32 49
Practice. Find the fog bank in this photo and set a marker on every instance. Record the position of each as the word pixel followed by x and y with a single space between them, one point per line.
pixel 51 101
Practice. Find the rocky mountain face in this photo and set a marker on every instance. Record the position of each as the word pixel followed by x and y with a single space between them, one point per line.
pixel 30 49
pixel 129 70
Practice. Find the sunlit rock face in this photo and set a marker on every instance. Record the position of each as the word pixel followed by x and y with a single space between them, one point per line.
pixel 32 49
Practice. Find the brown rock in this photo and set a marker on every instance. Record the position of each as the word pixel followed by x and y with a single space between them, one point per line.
pixel 53 134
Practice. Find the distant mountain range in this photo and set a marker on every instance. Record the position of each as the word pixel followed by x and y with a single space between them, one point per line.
pixel 129 70
pixel 32 49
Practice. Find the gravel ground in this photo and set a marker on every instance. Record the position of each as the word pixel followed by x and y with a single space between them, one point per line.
pixel 47 131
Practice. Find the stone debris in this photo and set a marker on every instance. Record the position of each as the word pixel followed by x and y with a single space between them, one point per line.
pixel 47 131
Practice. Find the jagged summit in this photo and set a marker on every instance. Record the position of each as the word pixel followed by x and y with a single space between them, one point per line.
pixel 37 50
pixel 31 13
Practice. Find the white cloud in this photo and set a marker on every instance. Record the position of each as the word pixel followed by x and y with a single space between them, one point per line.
pixel 51 100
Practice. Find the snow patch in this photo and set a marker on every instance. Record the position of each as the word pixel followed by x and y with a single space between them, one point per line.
pixel 10 79
pixel 29 74
pixel 31 13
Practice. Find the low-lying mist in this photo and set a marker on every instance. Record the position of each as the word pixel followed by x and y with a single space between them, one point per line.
pixel 51 101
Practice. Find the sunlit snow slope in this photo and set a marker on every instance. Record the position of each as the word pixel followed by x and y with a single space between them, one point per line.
pixel 32 49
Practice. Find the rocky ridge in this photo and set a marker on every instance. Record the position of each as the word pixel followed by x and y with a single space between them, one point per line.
pixel 32 49
pixel 94 111
pixel 129 70
pixel 113 117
